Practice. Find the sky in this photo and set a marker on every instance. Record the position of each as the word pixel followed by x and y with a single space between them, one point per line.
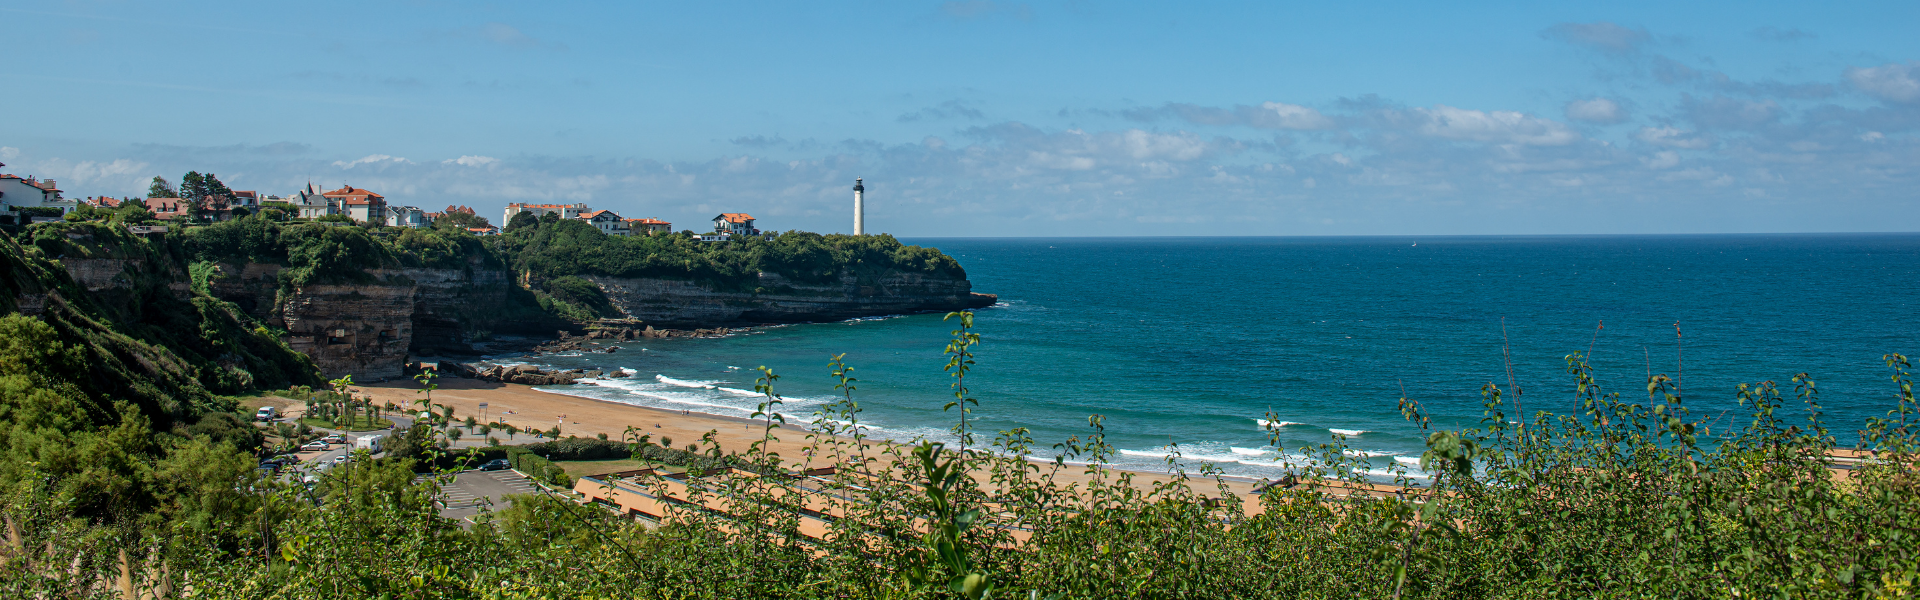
pixel 989 118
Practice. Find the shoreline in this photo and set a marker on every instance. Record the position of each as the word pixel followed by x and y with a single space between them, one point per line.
pixel 526 407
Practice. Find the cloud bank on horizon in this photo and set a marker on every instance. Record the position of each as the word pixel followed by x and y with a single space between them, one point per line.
pixel 983 119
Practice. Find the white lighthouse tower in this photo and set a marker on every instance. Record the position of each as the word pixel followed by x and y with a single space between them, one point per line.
pixel 859 207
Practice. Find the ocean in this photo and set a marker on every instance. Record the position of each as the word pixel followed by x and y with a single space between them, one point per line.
pixel 1184 344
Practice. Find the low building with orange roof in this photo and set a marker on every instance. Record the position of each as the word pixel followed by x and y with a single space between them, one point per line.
pixel 648 227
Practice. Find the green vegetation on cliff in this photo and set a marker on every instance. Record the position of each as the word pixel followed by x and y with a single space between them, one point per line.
pixel 575 248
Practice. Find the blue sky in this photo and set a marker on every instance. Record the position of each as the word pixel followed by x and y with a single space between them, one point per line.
pixel 987 118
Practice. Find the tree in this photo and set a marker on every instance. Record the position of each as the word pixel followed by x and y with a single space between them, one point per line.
pixel 134 213
pixel 201 190
pixel 161 189
pixel 549 218
pixel 522 220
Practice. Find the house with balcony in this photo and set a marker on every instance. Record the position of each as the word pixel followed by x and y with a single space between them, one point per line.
pixel 734 224
pixel 608 222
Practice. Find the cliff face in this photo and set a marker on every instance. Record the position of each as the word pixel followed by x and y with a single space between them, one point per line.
pixel 368 326
pixel 368 329
pixel 675 303
pixel 363 330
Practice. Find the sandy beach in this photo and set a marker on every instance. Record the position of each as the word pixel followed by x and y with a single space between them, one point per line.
pixel 528 408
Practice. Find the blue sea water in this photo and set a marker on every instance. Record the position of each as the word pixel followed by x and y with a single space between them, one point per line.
pixel 1182 344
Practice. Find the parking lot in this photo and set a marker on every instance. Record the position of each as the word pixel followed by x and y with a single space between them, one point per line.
pixel 473 489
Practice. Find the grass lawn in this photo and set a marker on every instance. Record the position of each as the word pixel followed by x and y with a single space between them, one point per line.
pixel 360 423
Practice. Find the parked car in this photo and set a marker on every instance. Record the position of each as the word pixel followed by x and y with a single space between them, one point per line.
pixel 341 459
pixel 335 439
pixel 498 464
pixel 317 445
pixel 266 413
pixel 288 459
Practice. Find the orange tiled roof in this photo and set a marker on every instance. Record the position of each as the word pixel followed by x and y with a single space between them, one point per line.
pixel 352 191
pixel 735 217
pixel 596 214
pixel 648 221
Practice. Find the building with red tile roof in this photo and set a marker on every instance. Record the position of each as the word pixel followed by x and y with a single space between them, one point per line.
pixel 735 224
pixel 648 226
pixel 359 204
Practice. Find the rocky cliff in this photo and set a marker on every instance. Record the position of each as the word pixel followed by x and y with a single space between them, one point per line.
pixel 675 303
pixel 311 287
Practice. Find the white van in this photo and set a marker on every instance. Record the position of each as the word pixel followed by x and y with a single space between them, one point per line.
pixel 266 413
pixel 370 443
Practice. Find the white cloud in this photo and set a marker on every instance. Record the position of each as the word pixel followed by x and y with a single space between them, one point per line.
pixel 8 152
pixel 1597 110
pixel 1176 146
pixel 1499 127
pixel 1281 115
pixel 1667 136
pixel 1050 160
pixel 469 161
pixel 1872 136
pixel 371 159
pixel 1893 82
pixel 1664 159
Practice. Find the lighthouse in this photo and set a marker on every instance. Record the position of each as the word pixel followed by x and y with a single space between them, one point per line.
pixel 859 207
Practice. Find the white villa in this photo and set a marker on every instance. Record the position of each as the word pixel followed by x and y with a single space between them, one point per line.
pixel 18 192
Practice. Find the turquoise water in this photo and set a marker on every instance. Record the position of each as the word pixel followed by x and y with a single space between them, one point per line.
pixel 1188 341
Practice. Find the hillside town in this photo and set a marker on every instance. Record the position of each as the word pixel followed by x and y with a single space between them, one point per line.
pixel 25 199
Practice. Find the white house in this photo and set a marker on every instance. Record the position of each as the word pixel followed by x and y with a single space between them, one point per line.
pixel 26 192
pixel 313 203
pixel 407 216
pixel 735 223
pixel 608 222
pixel 566 211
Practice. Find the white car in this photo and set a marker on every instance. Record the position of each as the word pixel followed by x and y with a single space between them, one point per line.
pixel 341 459
pixel 316 445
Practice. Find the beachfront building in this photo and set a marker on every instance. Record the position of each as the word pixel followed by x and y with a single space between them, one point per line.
pixel 648 227
pixel 735 224
pixel 359 204
pixel 407 216
pixel 247 199
pixel 566 211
